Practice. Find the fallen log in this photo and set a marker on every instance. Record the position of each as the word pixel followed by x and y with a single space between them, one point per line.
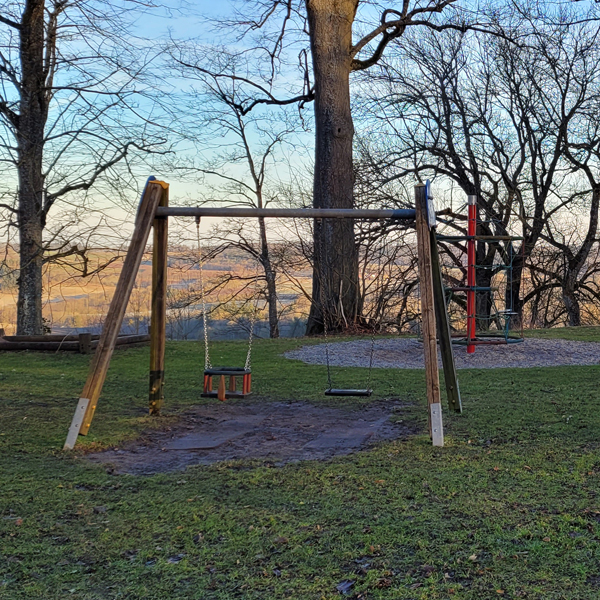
pixel 83 343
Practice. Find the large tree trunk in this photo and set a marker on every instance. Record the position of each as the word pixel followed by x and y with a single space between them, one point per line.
pixel 30 144
pixel 29 303
pixel 521 255
pixel 483 304
pixel 270 277
pixel 485 256
pixel 571 302
pixel 336 291
pixel 576 263
pixel 514 301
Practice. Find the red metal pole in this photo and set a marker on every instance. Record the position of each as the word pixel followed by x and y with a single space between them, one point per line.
pixel 471 308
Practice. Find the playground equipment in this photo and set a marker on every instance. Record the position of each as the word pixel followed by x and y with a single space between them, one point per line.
pixel 496 327
pixel 331 391
pixel 153 212
pixel 223 392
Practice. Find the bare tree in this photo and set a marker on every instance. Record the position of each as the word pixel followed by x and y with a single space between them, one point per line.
pixel 240 155
pixel 70 121
pixel 544 285
pixel 341 38
pixel 574 68
pixel 497 119
pixel 387 250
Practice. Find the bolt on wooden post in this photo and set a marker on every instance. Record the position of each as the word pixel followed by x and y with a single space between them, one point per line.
pixel 432 376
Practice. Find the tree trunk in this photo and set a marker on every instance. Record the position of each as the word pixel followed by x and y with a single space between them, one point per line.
pixel 30 144
pixel 576 263
pixel 514 302
pixel 571 301
pixel 483 304
pixel 485 255
pixel 270 277
pixel 336 291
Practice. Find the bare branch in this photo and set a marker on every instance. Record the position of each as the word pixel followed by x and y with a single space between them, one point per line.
pixel 8 207
pixel 10 22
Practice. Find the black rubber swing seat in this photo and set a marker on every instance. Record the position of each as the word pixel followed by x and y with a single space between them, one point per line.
pixel 347 392
pixel 227 371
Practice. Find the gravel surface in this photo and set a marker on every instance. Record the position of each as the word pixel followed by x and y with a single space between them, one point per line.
pixel 407 353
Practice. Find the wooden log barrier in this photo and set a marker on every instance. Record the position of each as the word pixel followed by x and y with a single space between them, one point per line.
pixel 70 344
pixel 85 343
pixel 51 337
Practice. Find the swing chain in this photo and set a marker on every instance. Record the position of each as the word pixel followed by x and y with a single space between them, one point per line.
pixel 248 364
pixel 329 382
pixel 324 314
pixel 322 303
pixel 207 363
pixel 253 318
pixel 371 358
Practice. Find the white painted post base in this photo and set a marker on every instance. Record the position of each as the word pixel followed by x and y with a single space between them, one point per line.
pixel 76 423
pixel 437 427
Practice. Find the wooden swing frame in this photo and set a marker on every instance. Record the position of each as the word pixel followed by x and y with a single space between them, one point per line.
pixel 153 213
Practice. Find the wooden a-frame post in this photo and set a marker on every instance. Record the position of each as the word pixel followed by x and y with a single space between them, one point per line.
pixel 158 315
pixel 443 327
pixel 432 376
pixel 154 193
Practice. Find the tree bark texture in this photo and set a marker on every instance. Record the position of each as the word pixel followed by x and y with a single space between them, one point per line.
pixel 576 262
pixel 571 301
pixel 514 299
pixel 336 292
pixel 484 299
pixel 33 113
pixel 483 278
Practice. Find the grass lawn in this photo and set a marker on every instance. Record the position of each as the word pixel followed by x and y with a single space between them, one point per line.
pixel 510 508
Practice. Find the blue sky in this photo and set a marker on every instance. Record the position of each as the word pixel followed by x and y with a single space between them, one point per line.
pixel 182 21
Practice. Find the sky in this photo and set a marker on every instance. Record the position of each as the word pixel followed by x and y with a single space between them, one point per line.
pixel 185 22
pixel 182 22
pixel 178 21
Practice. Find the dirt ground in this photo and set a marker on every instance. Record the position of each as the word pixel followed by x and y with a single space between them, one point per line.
pixel 276 432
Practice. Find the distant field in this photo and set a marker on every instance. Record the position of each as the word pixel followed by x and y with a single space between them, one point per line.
pixel 73 302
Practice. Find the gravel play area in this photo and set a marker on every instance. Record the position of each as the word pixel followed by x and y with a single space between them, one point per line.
pixel 407 353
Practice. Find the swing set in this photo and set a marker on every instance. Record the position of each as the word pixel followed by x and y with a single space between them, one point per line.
pixel 232 373
pixel 153 213
pixel 225 392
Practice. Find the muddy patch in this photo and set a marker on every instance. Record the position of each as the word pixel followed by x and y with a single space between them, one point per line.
pixel 278 432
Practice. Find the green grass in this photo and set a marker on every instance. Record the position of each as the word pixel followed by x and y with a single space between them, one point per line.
pixel 579 334
pixel 509 509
